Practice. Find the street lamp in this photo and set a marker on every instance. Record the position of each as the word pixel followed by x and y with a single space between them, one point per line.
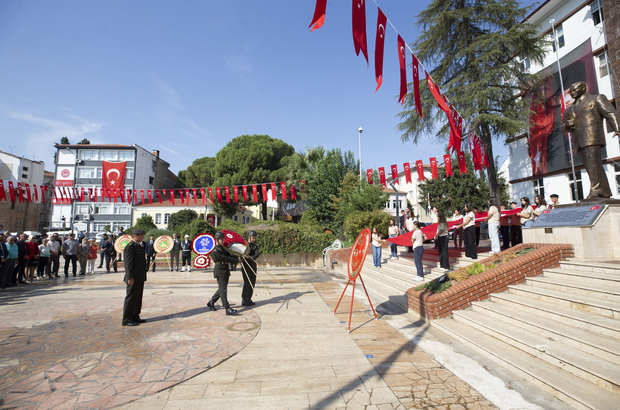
pixel 360 130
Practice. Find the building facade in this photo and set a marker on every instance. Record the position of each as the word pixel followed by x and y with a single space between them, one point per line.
pixel 160 213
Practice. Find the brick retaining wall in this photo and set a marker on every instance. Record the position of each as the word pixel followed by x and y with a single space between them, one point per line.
pixel 460 296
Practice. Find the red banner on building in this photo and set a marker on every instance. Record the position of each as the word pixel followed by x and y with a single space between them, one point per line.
pixel 113 175
pixel 244 189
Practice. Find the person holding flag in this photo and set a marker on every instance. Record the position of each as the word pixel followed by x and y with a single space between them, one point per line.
pixel 248 266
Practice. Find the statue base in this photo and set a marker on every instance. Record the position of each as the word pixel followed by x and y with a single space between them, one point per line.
pixel 601 240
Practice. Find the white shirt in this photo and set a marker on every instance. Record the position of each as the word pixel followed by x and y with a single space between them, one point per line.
pixel 472 220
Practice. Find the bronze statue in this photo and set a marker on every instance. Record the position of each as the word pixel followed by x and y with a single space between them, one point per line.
pixel 585 120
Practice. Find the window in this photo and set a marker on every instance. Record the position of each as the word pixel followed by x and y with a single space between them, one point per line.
pixel 103 208
pixel 122 209
pixel 81 209
pixel 572 185
pixel 151 180
pixel 603 69
pixel 559 33
pixel 25 176
pixel 126 156
pixel 235 218
pixel 129 173
pixel 596 12
pixel 539 187
pixel 154 165
pixel 143 214
pixel 157 219
pixel 89 155
pixel 87 172
pixel 166 218
pixel 99 226
pixel 108 155
pixel 25 168
pixel 525 64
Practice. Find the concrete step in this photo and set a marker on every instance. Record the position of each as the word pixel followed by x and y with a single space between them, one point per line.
pixel 385 290
pixel 600 346
pixel 598 306
pixel 591 266
pixel 563 385
pixel 592 369
pixel 607 292
pixel 580 319
pixel 583 276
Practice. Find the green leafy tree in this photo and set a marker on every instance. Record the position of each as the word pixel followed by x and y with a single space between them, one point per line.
pixel 302 165
pixel 354 196
pixel 84 142
pixel 144 222
pixel 180 181
pixel 475 48
pixel 358 221
pixel 199 174
pixel 64 141
pixel 182 217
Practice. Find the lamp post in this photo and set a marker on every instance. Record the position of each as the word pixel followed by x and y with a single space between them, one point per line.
pixel 360 130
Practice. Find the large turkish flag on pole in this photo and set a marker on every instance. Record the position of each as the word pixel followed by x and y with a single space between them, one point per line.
pixel 113 175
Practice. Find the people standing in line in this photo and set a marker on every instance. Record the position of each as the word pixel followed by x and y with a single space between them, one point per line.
pixel 504 228
pixel 22 262
pixel 53 265
pixel 441 238
pixel 458 233
pixel 393 233
pixel 92 257
pixel 11 261
pixel 469 231
pixel 515 227
pixel 221 272
pixel 70 252
pixel 541 205
pixel 417 240
pixel 44 256
pixel 135 276
pixel 477 226
pixel 102 249
pixel 410 221
pixel 248 267
pixel 4 256
pixel 186 254
pixel 32 256
pixel 151 255
pixel 493 219
pixel 174 252
pixel 526 214
pixel 83 254
pixel 554 201
pixel 376 247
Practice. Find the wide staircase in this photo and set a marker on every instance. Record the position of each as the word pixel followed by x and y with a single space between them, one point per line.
pixel 560 331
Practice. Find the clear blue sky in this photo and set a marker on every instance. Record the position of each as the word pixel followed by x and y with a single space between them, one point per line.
pixel 185 77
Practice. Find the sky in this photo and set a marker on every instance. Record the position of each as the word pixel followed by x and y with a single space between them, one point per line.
pixel 186 77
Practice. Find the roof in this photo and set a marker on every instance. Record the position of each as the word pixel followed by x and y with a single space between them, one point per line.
pixel 48 174
pixel 391 191
pixel 18 157
pixel 177 203
pixel 85 146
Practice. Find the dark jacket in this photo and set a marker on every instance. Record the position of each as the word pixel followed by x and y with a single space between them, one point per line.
pixel 186 246
pixel 108 247
pixel 149 248
pixel 222 258
pixel 21 249
pixel 587 115
pixel 248 264
pixel 176 246
pixel 4 252
pixel 135 262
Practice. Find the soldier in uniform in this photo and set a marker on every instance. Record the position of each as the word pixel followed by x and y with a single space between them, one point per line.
pixel 249 270
pixel 135 276
pixel 221 272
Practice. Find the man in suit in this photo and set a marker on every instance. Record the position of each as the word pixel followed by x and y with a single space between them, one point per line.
pixel 186 253
pixel 248 266
pixel 221 272
pixel 102 242
pixel 174 252
pixel 135 276
pixel 150 253
pixel 585 120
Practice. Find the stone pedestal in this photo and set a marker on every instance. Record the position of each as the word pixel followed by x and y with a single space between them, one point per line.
pixel 599 241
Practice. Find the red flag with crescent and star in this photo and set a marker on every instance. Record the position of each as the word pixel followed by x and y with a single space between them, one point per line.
pixel 379 45
pixel 20 192
pixel 255 194
pixel 274 192
pixel 227 191
pixel 158 197
pixel 434 167
pixel 218 193
pixel 43 191
pixel 420 166
pixel 359 28
pixel 36 192
pixel 407 172
pixel 369 176
pixel 436 93
pixel 12 191
pixel 142 196
pixel 129 196
pixel 319 15
pixel 236 192
pixel 28 197
pixel 82 195
pixel 187 197
pixel 113 175
pixel 395 174
pixel 382 177
pixel 2 192
pixel 195 196
pixel 244 189
pixel 462 163
pixel 293 192
pixel 135 196
pixel 172 196
pixel 403 70
pixel 264 192
pixel 150 199
pixel 416 84
pixel 202 195
pixel 211 195
pixel 283 189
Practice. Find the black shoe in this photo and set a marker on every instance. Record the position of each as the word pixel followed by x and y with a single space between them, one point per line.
pixel 81 274
pixel 74 275
pixel 99 267
pixel 246 302
pixel 211 306
pixel 138 320
pixel 131 324
pixel 230 311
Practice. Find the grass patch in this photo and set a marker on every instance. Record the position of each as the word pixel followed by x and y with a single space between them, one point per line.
pixel 434 286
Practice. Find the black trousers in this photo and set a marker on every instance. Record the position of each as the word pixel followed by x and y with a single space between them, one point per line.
pixel 222 291
pixel 73 260
pixel 108 258
pixel 149 259
pixel 18 271
pixel 133 301
pixel 41 266
pixel 444 262
pixel 249 281
pixel 187 258
pixel 53 265
pixel 477 235
pixel 515 235
pixel 102 256
pixel 505 230
pixel 470 242
pixel 6 272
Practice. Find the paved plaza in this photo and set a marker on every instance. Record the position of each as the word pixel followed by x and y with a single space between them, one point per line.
pixel 62 346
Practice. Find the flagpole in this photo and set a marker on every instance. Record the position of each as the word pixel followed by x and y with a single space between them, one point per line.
pixel 570 141
pixel 360 141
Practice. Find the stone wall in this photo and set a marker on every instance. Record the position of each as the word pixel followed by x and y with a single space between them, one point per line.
pixel 19 216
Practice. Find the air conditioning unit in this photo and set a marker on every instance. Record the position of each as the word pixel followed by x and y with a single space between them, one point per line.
pixel 86 217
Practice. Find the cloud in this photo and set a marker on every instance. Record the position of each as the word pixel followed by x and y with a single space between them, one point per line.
pixel 171 97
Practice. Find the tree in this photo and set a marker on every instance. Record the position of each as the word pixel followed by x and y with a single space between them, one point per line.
pixel 182 217
pixel 64 141
pixel 199 173
pixel 251 159
pixel 144 222
pixel 84 142
pixel 180 181
pixel 476 47
pixel 354 196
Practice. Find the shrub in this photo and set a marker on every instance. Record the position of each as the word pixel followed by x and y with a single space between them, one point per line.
pixel 157 233
pixel 231 225
pixel 195 228
pixel 358 221
pixel 309 218
pixel 434 286
pixel 144 222
pixel 458 275
pixel 183 217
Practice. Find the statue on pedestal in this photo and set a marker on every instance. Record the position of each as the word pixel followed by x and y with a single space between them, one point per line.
pixel 585 120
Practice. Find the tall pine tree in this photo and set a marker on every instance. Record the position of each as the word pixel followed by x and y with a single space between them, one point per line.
pixel 476 48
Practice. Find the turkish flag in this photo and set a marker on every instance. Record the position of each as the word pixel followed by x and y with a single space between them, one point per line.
pixel 416 84
pixel 477 156
pixel 395 174
pixel 382 177
pixel 369 176
pixel 359 28
pixel 142 196
pixel 2 192
pixel 116 195
pixel 135 196
pixel 434 167
pixel 274 192
pixel 129 196
pixel 43 191
pixel 172 196
pixel 227 191
pixel 122 194
pixel 195 196
pixel 187 196
pixel 181 196
pixel 149 194
pixel 264 192
pixel 254 194
pixel 283 189
pixel 403 70
pixel 319 15
pixel 113 175
pixel 35 191
pixel 159 197
pixel 211 194
pixel 436 93
pixel 379 43
pixel 293 192
pixel 420 166
pixel 202 195
pixel 462 163
pixel 28 197
pixel 11 191
pixel 20 192
pixel 236 192
pixel 407 172
pixel 218 193
pixel 244 189
pixel 82 195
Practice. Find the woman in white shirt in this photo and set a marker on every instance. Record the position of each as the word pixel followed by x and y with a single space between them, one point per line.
pixel 393 233
pixel 469 223
pixel 441 238
pixel 541 205
pixel 493 220
pixel 376 247
pixel 417 240
pixel 527 212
